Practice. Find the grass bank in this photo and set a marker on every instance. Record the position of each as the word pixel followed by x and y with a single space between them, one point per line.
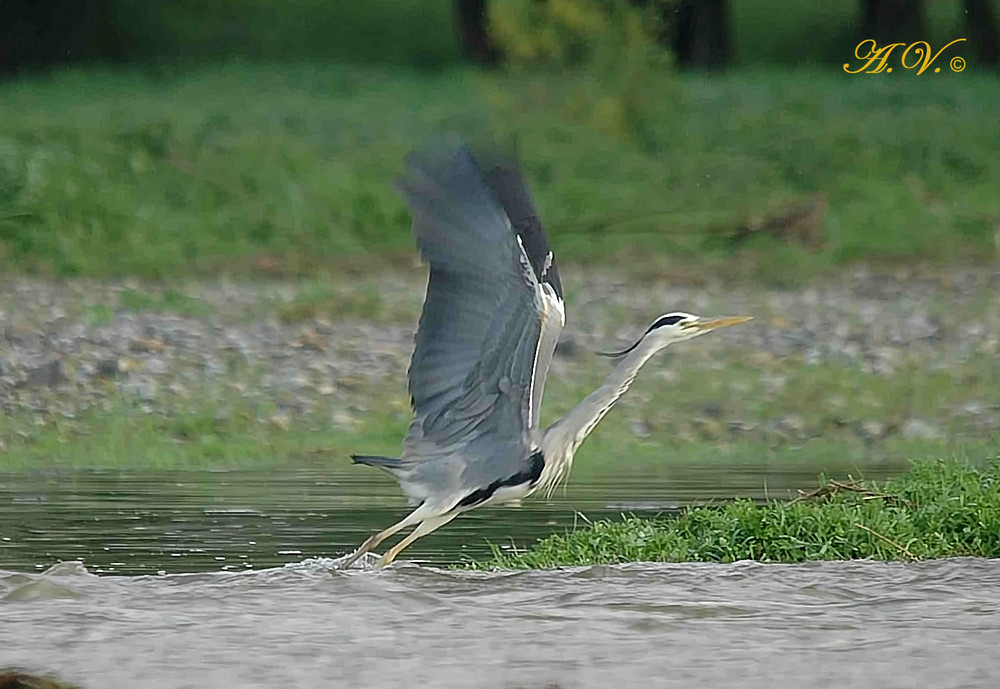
pixel 937 509
pixel 287 170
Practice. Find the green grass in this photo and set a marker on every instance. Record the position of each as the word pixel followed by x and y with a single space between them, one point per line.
pixel 207 428
pixel 330 302
pixel 169 300
pixel 937 509
pixel 262 170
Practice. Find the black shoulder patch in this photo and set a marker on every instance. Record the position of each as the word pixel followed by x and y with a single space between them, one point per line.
pixel 535 465
pixel 529 475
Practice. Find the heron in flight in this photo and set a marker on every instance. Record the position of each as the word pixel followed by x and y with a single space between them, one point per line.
pixel 490 322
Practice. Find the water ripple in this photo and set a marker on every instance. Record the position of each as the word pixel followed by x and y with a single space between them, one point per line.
pixel 865 624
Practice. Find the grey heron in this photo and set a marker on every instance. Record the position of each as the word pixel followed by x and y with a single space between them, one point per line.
pixel 491 318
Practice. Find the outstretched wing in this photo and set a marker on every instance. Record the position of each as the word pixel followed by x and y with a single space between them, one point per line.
pixel 508 185
pixel 491 317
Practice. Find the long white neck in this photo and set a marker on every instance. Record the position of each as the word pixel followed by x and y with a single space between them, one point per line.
pixel 561 440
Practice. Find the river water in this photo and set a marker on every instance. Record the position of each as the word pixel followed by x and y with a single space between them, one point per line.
pixel 258 600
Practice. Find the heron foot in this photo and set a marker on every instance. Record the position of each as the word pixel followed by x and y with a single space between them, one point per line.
pixel 369 543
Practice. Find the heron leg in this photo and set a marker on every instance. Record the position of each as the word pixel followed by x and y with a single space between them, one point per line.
pixel 424 528
pixel 373 541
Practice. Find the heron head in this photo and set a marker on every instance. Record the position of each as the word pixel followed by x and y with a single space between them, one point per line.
pixel 679 326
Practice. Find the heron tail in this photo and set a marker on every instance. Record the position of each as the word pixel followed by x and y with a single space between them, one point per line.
pixel 386 463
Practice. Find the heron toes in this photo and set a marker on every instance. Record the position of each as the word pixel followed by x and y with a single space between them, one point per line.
pixel 361 561
pixel 364 561
pixel 362 550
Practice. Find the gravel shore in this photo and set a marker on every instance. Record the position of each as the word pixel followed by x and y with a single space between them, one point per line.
pixel 73 345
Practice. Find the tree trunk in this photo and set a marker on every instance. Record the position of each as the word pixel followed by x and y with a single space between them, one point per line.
pixel 40 33
pixel 893 21
pixel 701 36
pixel 472 22
pixel 981 28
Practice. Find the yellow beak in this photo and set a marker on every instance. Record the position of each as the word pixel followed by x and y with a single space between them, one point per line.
pixel 705 324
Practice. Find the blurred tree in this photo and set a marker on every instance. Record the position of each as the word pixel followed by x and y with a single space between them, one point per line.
pixel 893 21
pixel 45 32
pixel 981 24
pixel 472 22
pixel 576 32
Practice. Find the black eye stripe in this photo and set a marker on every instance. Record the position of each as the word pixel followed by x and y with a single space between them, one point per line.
pixel 672 319
pixel 665 320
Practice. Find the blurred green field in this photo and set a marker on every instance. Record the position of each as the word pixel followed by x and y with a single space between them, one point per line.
pixel 252 169
pixel 770 33
pixel 413 32
pixel 421 33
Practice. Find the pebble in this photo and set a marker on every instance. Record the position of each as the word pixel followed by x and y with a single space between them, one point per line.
pixel 108 368
pixel 871 430
pixel 47 375
pixel 144 390
pixel 920 429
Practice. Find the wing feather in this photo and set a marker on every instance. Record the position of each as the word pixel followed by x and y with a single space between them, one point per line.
pixel 487 329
